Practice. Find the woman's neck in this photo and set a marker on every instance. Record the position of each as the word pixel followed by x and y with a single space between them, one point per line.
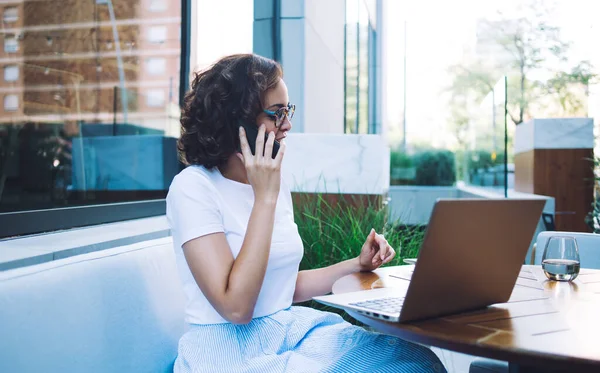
pixel 234 170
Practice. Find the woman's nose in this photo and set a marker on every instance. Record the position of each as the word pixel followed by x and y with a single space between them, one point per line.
pixel 286 125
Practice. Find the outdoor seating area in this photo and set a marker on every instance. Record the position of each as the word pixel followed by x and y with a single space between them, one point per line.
pixel 428 186
pixel 119 310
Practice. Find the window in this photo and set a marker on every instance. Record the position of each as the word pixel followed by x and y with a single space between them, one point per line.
pixel 11 44
pixel 155 97
pixel 157 34
pixel 11 14
pixel 11 103
pixel 82 148
pixel 157 5
pixel 11 73
pixel 360 53
pixel 156 66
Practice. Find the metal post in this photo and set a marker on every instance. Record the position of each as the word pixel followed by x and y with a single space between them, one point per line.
pixel 111 13
pixel 184 62
pixel 276 25
pixel 114 129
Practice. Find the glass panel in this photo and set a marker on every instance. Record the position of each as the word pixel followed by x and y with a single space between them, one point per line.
pixel 544 48
pixel 359 57
pixel 92 115
pixel 487 151
pixel 363 69
pixel 352 18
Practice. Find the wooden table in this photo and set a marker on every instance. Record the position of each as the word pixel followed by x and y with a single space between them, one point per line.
pixel 546 325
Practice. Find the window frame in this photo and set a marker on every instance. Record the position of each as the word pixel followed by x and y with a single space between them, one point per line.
pixel 29 222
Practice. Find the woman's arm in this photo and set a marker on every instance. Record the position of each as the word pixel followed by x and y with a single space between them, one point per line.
pixel 232 286
pixel 315 282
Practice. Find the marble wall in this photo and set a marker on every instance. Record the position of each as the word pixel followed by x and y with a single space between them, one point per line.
pixel 331 163
pixel 554 133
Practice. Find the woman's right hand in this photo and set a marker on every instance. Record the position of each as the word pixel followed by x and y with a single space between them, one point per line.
pixel 264 172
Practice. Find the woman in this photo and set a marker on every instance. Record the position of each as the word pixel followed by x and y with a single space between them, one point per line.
pixel 238 248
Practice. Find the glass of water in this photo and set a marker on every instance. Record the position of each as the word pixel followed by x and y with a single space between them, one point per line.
pixel 561 259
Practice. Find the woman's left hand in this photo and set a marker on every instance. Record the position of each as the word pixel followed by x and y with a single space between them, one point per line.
pixel 375 252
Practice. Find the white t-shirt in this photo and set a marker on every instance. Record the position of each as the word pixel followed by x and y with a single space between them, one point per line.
pixel 202 201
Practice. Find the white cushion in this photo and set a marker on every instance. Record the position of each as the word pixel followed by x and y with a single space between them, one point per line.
pixel 117 310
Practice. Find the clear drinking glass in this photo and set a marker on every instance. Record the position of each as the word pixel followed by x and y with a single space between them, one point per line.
pixel 561 259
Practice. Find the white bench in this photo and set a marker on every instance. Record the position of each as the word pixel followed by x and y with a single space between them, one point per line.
pixel 116 310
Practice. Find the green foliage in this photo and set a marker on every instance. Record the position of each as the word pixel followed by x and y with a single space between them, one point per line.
pixel 400 159
pixel 431 168
pixel 334 230
pixel 435 168
pixel 482 159
pixel 401 168
pixel 593 217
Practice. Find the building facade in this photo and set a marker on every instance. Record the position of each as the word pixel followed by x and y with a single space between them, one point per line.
pixel 331 52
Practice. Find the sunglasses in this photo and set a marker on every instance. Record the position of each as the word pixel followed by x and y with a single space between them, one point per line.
pixel 281 113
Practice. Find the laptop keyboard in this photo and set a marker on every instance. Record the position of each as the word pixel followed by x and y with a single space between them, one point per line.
pixel 390 305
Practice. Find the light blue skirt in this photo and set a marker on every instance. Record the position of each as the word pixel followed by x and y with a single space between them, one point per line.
pixel 299 339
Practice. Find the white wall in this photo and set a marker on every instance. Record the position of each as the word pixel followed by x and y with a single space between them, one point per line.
pixel 220 28
pixel 324 66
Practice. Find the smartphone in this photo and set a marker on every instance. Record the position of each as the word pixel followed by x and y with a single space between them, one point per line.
pixel 252 133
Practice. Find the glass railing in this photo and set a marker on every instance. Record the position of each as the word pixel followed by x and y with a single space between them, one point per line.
pixel 487 161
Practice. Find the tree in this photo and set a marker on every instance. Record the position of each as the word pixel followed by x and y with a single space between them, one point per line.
pixel 530 51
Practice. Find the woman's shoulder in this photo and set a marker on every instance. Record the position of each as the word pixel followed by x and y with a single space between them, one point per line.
pixel 193 178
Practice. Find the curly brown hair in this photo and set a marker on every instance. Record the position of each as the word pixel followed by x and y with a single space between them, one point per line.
pixel 221 96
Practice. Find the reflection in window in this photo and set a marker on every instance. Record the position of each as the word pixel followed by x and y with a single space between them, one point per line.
pixel 351 81
pixel 79 128
pixel 156 66
pixel 11 14
pixel 11 103
pixel 11 73
pixel 363 68
pixel 11 44
pixel 157 5
pixel 155 98
pixel 157 34
pixel 360 54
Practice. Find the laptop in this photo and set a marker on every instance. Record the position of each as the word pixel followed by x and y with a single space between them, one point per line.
pixel 470 258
